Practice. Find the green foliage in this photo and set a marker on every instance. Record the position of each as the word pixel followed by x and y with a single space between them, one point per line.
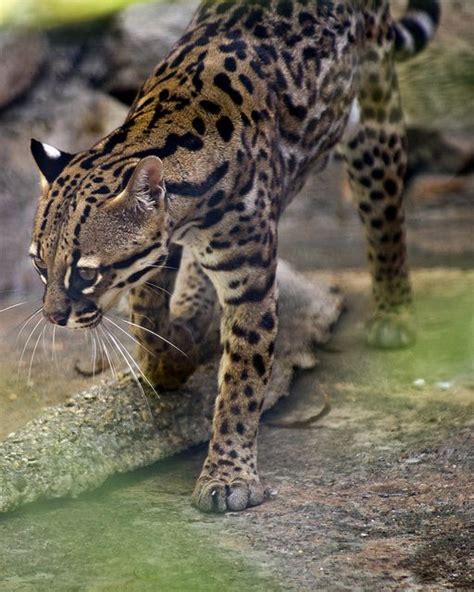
pixel 46 13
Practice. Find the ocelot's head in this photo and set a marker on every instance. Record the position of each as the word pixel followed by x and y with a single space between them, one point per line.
pixel 99 230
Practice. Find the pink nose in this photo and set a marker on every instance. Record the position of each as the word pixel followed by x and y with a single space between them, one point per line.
pixel 57 318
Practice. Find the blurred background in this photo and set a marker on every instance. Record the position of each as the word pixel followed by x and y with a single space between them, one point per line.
pixel 70 69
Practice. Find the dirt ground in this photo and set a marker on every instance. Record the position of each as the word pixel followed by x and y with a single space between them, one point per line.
pixel 377 495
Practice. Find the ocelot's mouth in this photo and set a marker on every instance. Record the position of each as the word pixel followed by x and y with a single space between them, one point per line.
pixel 90 323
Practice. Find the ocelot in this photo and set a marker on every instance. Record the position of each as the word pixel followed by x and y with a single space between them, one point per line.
pixel 219 140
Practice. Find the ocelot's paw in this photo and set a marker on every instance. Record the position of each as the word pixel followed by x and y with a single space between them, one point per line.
pixel 391 330
pixel 169 368
pixel 220 494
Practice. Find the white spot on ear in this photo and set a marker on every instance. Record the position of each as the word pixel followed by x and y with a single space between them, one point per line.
pixel 51 151
pixel 34 249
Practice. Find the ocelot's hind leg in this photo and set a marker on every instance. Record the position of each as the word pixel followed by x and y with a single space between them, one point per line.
pixel 376 156
pixel 194 300
pixel 167 352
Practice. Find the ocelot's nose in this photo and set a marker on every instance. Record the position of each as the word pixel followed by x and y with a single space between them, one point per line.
pixel 58 318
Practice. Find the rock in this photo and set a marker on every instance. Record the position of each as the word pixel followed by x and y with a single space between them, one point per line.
pixel 114 427
pixel 50 119
pixel 142 36
pixel 22 55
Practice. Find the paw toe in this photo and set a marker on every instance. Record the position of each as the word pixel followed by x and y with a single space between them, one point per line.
pixel 390 333
pixel 218 497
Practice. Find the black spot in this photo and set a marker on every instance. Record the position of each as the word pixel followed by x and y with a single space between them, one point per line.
pixel 198 189
pixel 260 31
pixel 368 159
pixel 376 195
pixel 376 223
pixel 285 8
pixel 216 198
pixel 245 80
pixel 253 338
pixel 230 64
pixel 240 428
pixel 238 331
pixel 248 391
pixel 297 111
pixel 223 82
pixel 390 213
pixel 225 127
pixel 391 187
pixel 258 364
pixel 199 125
pixel 212 217
pixel 252 406
pixel 267 322
pixel 377 174
pixel 224 429
pixel 210 107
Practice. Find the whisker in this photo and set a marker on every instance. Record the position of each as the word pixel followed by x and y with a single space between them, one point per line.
pixel 159 288
pixel 103 357
pixel 109 341
pixel 137 366
pixel 148 287
pixel 26 345
pixel 54 355
pixel 163 267
pixel 28 381
pixel 23 324
pixel 94 355
pixel 14 306
pixel 44 340
pixel 133 374
pixel 155 334
pixel 109 359
pixel 129 335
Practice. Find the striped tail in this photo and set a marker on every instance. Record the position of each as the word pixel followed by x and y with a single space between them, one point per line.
pixel 416 28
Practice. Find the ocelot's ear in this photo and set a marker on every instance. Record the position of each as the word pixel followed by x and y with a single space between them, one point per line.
pixel 50 161
pixel 146 188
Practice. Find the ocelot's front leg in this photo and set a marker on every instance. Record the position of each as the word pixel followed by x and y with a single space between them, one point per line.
pixel 167 354
pixel 229 478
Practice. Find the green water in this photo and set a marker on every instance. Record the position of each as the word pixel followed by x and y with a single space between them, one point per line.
pixel 444 351
pixel 129 536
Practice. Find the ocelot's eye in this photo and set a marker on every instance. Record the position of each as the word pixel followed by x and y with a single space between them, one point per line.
pixel 40 266
pixel 88 274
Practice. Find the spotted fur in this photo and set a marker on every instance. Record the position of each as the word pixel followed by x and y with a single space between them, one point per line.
pixel 218 141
